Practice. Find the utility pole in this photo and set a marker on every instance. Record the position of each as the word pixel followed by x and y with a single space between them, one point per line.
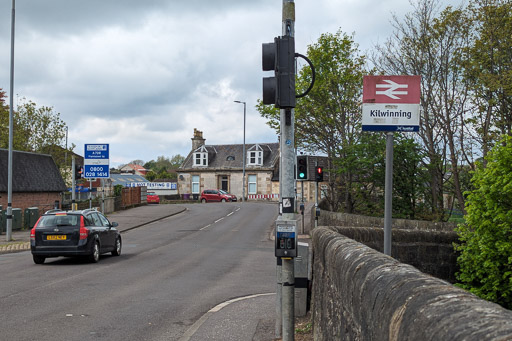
pixel 73 182
pixel 8 232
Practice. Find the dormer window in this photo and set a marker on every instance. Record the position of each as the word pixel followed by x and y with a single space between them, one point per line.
pixel 201 157
pixel 255 156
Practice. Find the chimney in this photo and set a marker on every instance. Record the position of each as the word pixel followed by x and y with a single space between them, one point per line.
pixel 197 140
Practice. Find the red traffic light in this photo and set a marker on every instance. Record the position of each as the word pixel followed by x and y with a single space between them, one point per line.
pixel 319 174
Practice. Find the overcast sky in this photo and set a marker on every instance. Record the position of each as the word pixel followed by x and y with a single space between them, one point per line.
pixel 141 75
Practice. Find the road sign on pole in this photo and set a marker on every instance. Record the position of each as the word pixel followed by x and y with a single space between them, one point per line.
pixel 391 103
pixel 96 161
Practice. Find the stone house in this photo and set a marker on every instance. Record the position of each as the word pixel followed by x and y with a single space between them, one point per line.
pixel 36 181
pixel 221 167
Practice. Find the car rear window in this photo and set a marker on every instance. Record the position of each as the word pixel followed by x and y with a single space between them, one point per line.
pixel 59 220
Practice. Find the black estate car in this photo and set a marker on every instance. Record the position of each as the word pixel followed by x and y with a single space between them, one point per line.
pixel 74 233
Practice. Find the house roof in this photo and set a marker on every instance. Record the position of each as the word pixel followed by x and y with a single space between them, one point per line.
pixel 134 167
pixel 31 172
pixel 231 156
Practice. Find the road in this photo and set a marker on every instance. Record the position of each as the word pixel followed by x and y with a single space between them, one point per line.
pixel 170 273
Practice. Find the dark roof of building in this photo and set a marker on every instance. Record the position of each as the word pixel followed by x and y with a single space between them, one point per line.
pixel 30 173
pixel 230 156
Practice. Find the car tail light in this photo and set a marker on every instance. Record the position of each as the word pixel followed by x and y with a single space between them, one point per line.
pixel 84 232
pixel 33 230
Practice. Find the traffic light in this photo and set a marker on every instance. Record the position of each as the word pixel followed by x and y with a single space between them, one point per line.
pixel 319 174
pixel 279 56
pixel 78 172
pixel 302 167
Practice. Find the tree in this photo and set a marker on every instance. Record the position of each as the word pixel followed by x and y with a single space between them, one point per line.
pixel 163 167
pixel 37 130
pixel 488 66
pixel 4 121
pixel 409 179
pixel 431 44
pixel 137 162
pixel 485 247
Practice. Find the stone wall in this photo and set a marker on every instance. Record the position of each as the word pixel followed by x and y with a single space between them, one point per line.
pixel 344 219
pixel 362 294
pixel 429 251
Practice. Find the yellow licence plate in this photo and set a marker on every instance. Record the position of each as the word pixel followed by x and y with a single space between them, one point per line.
pixel 56 237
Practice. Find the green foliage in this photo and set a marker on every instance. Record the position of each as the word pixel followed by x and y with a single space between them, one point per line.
pixel 150 176
pixel 485 260
pixel 163 167
pixel 118 190
pixel 488 66
pixel 37 130
pixel 409 179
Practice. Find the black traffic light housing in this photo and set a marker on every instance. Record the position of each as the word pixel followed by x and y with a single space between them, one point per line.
pixel 319 174
pixel 279 56
pixel 302 167
pixel 78 172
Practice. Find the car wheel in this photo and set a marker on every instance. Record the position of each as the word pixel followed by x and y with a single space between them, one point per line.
pixel 223 200
pixel 203 201
pixel 38 259
pixel 95 255
pixel 117 250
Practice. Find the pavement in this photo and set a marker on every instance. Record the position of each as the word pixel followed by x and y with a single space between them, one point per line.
pixel 250 318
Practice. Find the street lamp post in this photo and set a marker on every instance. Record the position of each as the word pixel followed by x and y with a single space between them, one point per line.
pixel 8 222
pixel 243 158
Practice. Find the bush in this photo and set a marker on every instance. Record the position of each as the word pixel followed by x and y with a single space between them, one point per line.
pixel 118 190
pixel 485 247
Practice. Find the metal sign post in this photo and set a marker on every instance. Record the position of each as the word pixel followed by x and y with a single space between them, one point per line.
pixel 390 103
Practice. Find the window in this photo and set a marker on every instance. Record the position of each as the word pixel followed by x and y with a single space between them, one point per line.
pixel 252 184
pixel 230 158
pixel 195 184
pixel 201 157
pixel 104 220
pixel 255 156
pixel 96 219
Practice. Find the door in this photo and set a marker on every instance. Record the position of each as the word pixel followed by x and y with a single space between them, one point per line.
pixel 224 183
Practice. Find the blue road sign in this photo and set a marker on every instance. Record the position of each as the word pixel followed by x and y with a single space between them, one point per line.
pixel 96 161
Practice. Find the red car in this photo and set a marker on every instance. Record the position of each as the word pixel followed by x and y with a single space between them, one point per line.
pixel 233 197
pixel 152 198
pixel 214 195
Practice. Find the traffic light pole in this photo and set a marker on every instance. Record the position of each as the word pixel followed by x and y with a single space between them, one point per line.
pixel 287 190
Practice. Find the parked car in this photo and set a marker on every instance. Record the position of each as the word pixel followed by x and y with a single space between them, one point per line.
pixel 214 195
pixel 152 198
pixel 74 233
pixel 233 197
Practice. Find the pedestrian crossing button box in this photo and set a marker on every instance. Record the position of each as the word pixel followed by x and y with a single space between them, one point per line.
pixel 286 238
